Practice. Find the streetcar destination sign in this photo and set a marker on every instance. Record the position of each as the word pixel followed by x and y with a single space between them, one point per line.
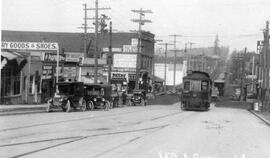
pixel 29 45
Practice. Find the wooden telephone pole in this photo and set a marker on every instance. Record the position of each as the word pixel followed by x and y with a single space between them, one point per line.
pixel 174 64
pixel 165 65
pixel 96 36
pixel 141 22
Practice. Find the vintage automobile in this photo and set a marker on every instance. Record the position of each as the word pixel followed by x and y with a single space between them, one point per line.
pixel 138 97
pixel 98 96
pixel 69 95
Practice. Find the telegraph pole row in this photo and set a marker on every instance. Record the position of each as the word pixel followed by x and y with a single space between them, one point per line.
pixel 96 36
pixel 174 66
pixel 141 22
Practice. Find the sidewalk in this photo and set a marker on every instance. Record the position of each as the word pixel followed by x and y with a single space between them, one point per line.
pixel 21 109
pixel 264 116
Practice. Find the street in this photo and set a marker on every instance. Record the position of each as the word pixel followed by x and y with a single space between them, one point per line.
pixel 154 131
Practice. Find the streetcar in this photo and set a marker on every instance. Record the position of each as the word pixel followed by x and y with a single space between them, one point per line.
pixel 196 93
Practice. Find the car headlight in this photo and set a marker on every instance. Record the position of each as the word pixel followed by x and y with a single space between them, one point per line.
pixel 103 99
pixel 95 99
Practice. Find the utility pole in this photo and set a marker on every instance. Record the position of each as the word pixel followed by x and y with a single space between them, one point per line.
pixel 85 28
pixel 165 65
pixel 110 54
pixel 174 66
pixel 190 56
pixel 243 75
pixel 141 22
pixel 96 36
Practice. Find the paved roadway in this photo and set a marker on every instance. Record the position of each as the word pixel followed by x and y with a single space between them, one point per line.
pixel 156 131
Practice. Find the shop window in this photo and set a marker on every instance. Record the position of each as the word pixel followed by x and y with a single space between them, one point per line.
pixel 17 85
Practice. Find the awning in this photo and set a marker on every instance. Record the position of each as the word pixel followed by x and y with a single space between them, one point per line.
pixel 7 56
pixel 90 80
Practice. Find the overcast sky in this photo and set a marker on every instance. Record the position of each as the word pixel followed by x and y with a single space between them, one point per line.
pixel 237 22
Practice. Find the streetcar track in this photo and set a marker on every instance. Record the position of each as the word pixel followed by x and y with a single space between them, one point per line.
pixel 85 137
pixel 97 129
pixel 64 121
pixel 78 138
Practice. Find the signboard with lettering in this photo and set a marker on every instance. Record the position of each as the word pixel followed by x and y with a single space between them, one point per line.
pixel 124 60
pixel 47 71
pixel 73 57
pixel 134 42
pixel 119 76
pixel 29 45
pixel 113 49
pixel 130 49
pixel 52 57
pixel 70 71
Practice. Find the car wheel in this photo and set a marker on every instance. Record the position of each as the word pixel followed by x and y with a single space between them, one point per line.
pixel 91 105
pixel 83 105
pixel 107 105
pixel 67 106
pixel 143 102
pixel 49 104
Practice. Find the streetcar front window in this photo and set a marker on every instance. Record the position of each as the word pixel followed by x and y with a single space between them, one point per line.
pixel 187 85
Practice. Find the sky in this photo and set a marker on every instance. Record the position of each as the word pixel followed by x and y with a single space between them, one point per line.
pixel 238 23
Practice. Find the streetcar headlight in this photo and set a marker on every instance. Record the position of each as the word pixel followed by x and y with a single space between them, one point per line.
pixel 95 99
pixel 103 99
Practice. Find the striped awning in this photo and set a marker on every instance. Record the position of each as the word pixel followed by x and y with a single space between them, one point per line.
pixel 6 56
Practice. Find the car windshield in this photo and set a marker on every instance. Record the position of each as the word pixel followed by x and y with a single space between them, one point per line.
pixel 95 91
pixel 64 89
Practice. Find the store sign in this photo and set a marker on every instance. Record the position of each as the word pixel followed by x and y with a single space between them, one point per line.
pixel 124 60
pixel 52 57
pixel 47 71
pixel 73 57
pixel 113 49
pixel 130 49
pixel 70 72
pixel 134 42
pixel 119 76
pixel 91 61
pixel 29 45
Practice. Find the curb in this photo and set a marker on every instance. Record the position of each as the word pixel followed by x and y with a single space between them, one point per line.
pixel 260 117
pixel 21 112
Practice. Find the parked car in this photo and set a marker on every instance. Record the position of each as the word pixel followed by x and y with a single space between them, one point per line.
pixel 70 95
pixel 138 97
pixel 98 96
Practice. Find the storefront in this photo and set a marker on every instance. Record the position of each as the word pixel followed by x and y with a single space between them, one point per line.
pixel 22 75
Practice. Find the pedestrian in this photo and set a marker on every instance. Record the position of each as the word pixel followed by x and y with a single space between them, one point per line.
pixel 124 98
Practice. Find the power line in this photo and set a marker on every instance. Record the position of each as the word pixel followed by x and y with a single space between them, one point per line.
pixel 175 50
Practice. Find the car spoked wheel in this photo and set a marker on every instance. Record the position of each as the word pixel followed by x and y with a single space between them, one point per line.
pixel 67 107
pixel 107 105
pixel 143 102
pixel 49 105
pixel 83 105
pixel 90 105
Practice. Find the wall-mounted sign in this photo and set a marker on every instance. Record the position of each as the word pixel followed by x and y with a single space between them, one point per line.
pixel 134 42
pixel 113 49
pixel 29 45
pixel 124 60
pixel 47 72
pixel 52 57
pixel 91 61
pixel 119 76
pixel 73 57
pixel 130 49
pixel 70 72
